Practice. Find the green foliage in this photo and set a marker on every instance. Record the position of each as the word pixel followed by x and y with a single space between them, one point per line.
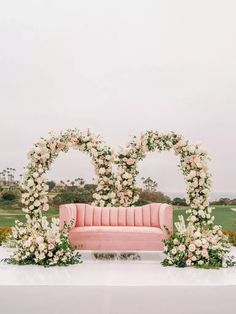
pixel 141 202
pixel 84 196
pixel 10 195
pixel 224 201
pixel 51 185
pixel 154 197
pixel 177 249
pixel 149 184
pixel 90 187
pixel 231 235
pixel 179 201
pixel 4 233
pixel 54 247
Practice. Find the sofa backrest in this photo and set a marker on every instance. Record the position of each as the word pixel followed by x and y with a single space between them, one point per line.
pixel 147 215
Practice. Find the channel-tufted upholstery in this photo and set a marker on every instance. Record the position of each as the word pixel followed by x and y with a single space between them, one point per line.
pixel 118 228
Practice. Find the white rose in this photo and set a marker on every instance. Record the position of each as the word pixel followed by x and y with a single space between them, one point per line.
pixel 181 247
pixel 191 149
pixel 31 249
pixel 30 182
pixel 204 253
pixel 41 256
pixel 176 241
pixel 224 264
pixel 216 228
pixel 102 170
pixel 102 203
pixel 192 247
pixel 201 213
pixel 188 262
pixel 46 207
pixel 202 150
pixel 37 203
pixel 112 195
pixel 41 246
pixel 39 240
pixel 195 183
pixel 27 243
pixel 193 218
pixel 198 242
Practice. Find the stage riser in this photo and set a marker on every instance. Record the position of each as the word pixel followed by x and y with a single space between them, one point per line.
pixel 117 300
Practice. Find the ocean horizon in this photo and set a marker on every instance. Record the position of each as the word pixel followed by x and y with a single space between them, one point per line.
pixel 214 196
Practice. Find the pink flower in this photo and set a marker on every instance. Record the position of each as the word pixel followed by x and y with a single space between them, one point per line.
pixel 181 247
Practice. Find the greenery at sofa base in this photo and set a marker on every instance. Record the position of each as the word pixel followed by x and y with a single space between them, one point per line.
pixel 75 259
pixel 40 242
pixel 214 263
pixel 198 247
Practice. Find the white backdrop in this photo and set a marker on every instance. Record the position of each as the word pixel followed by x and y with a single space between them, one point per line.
pixel 119 67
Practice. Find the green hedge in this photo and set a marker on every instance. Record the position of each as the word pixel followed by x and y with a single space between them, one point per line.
pixel 232 236
pixel 4 233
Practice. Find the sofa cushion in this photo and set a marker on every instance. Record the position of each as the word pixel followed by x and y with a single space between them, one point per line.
pixel 117 237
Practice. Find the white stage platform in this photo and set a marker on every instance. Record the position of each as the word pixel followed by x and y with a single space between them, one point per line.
pixel 104 287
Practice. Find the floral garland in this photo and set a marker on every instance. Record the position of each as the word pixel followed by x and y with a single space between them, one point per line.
pixel 199 244
pixel 44 153
pixel 193 164
pixel 199 247
pixel 38 242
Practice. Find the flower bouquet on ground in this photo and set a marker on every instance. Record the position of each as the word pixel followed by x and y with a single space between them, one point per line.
pixel 197 246
pixel 42 243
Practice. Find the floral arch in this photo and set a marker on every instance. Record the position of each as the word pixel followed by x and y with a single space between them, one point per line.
pixel 200 243
pixel 44 152
pixel 193 164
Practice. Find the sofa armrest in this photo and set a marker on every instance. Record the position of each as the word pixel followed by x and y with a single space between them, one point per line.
pixel 166 218
pixel 67 214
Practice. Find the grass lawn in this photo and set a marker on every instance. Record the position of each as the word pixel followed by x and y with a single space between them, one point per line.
pixel 224 216
pixel 10 211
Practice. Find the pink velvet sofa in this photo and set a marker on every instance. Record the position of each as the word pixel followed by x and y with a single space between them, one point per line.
pixel 118 228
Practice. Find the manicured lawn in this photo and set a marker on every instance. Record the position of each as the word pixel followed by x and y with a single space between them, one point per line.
pixel 224 216
pixel 10 211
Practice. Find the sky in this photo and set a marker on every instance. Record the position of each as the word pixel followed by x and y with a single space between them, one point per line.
pixel 120 68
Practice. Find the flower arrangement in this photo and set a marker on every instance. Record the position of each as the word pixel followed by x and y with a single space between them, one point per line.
pixel 193 164
pixel 197 244
pixel 199 247
pixel 43 154
pixel 39 242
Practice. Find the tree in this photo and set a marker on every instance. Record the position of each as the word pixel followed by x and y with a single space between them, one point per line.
pixel 224 201
pixel 179 201
pixel 82 196
pixel 51 185
pixel 90 187
pixel 10 195
pixel 149 184
pixel 152 197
